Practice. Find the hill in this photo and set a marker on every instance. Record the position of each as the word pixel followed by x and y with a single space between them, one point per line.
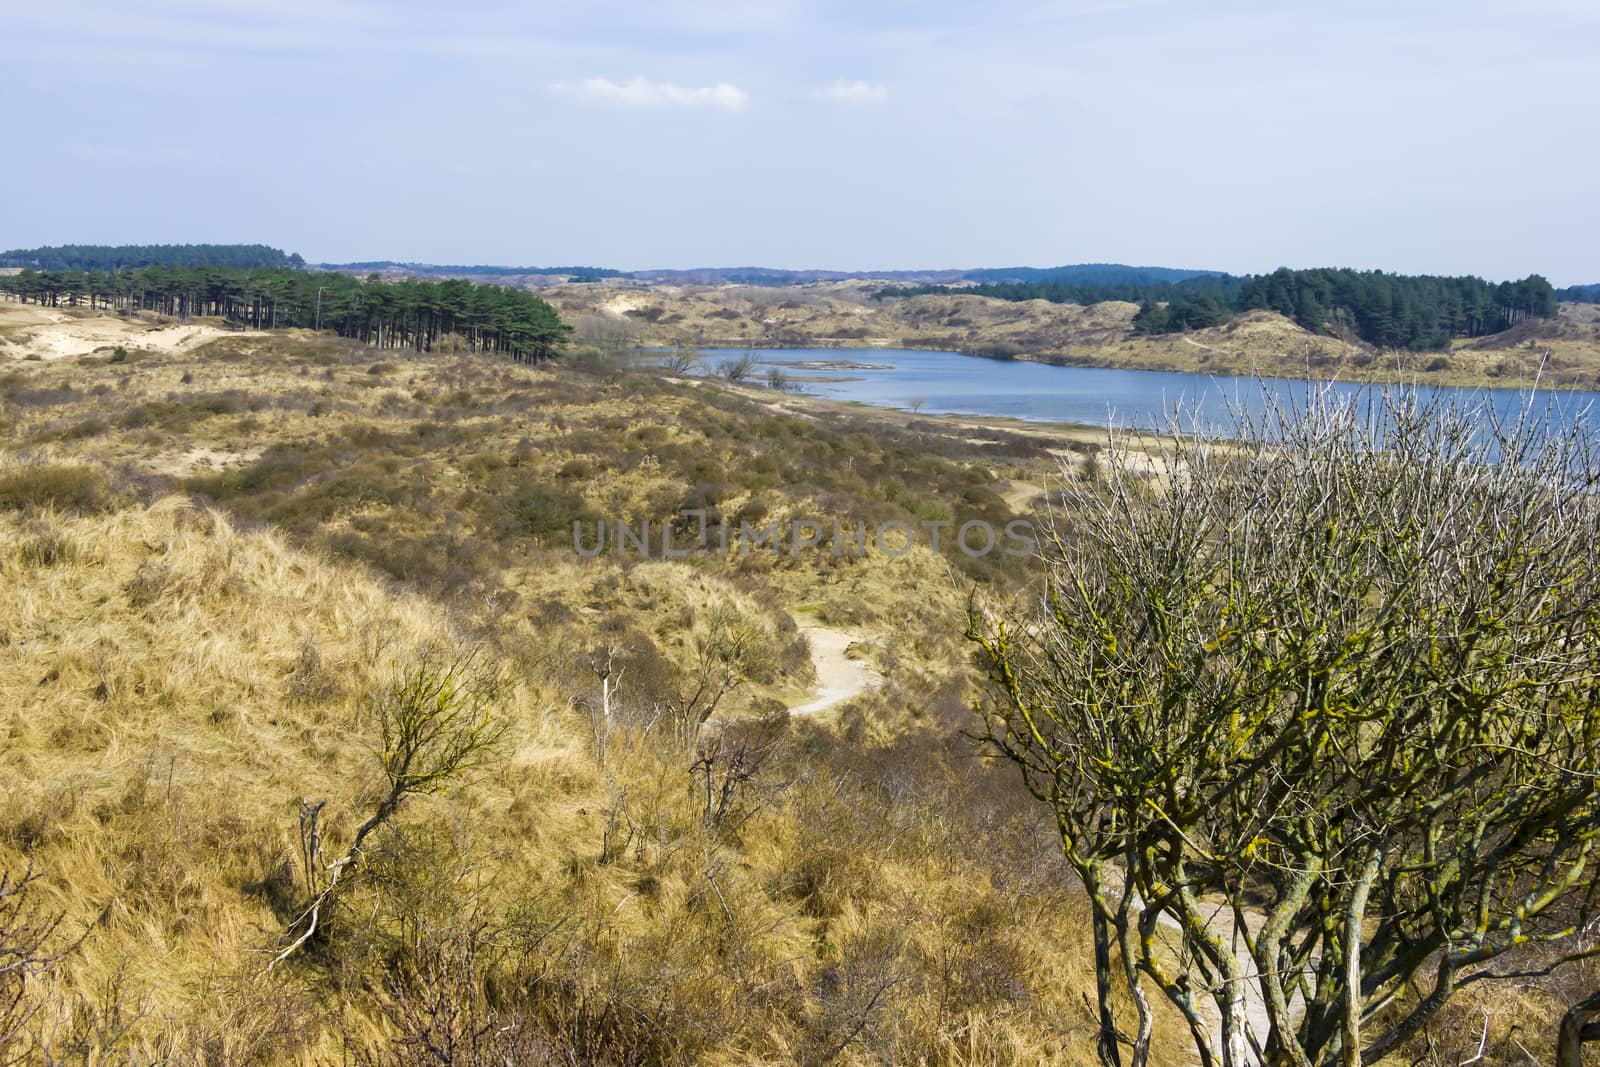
pixel 227 564
pixel 477 271
pixel 780 277
pixel 1080 274
pixel 1087 274
pixel 238 569
pixel 1565 350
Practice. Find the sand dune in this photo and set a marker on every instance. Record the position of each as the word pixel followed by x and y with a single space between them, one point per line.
pixel 49 333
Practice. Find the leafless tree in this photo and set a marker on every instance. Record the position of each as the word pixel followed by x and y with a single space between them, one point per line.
pixel 1312 709
pixel 738 368
pixel 612 334
pixel 721 653
pixel 603 719
pixel 681 362
pixel 727 772
pixel 1579 1026
pixel 434 725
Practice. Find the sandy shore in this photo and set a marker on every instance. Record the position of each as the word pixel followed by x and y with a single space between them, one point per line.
pixel 806 405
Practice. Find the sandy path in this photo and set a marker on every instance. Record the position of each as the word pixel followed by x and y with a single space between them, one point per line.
pixel 1220 923
pixel 1018 494
pixel 839 678
pixel 198 459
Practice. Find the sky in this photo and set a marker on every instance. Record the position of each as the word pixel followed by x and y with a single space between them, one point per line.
pixel 1440 136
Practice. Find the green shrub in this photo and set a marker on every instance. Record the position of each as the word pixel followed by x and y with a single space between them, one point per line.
pixel 65 487
pixel 540 510
pixel 93 426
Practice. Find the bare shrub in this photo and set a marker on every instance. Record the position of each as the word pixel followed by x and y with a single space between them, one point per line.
pixel 1336 674
pixel 681 362
pixel 435 725
pixel 727 773
pixel 30 949
pixel 738 368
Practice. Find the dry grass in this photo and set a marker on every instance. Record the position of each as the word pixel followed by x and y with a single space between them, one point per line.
pixel 177 684
pixel 191 648
pixel 215 562
pixel 185 683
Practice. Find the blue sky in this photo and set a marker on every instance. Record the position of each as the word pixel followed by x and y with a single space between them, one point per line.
pixel 1458 137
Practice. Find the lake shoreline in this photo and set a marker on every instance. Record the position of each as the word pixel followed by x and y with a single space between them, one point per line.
pixel 1097 357
pixel 809 405
pixel 927 383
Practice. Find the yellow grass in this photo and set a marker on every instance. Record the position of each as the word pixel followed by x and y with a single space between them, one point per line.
pixel 215 562
pixel 178 677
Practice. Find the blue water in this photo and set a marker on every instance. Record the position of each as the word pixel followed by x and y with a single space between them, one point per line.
pixel 951 383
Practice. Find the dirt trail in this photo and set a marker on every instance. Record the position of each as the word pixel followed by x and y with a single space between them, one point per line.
pixel 1019 494
pixel 839 678
pixel 1220 923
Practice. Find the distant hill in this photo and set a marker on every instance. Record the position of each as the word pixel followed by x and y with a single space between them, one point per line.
pixel 129 257
pixel 1414 312
pixel 1580 294
pixel 480 270
pixel 1100 274
pixel 777 276
pixel 1087 274
pixel 691 276
pixel 1078 274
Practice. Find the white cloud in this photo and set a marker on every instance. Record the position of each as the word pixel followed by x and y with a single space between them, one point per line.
pixel 641 92
pixel 848 92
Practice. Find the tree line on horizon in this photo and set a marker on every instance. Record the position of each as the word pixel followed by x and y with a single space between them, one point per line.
pixel 1416 312
pixel 409 313
pixel 576 274
pixel 130 257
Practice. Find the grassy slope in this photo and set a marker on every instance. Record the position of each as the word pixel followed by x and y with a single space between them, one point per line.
pixel 1258 343
pixel 219 563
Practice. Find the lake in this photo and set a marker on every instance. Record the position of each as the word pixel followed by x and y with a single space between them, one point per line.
pixel 949 383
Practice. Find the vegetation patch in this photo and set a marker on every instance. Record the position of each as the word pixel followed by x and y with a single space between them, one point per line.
pixel 52 486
